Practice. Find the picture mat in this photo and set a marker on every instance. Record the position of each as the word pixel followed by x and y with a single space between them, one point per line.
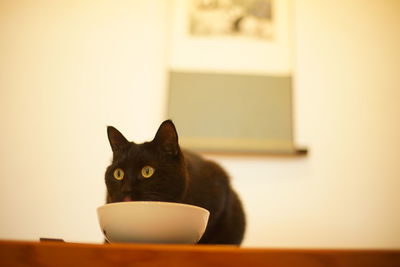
pixel 229 112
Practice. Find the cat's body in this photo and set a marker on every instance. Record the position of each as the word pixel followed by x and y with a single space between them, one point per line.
pixel 175 176
pixel 209 187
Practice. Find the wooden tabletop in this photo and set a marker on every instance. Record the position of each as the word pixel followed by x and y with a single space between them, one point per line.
pixel 17 253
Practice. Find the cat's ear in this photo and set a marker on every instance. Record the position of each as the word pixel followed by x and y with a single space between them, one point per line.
pixel 167 138
pixel 116 139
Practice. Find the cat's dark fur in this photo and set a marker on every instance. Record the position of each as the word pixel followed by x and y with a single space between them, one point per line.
pixel 180 176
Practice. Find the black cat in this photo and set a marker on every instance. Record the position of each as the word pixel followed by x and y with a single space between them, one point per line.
pixel 160 171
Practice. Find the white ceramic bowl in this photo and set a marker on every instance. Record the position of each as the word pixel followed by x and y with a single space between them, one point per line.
pixel 152 222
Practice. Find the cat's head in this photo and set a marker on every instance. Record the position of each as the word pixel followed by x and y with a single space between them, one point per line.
pixel 152 171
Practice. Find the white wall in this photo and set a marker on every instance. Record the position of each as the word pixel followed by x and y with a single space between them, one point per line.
pixel 69 69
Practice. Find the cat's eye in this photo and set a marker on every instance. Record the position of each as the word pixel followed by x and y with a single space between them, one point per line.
pixel 147 171
pixel 119 174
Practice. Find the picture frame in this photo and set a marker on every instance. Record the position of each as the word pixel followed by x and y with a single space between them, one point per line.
pixel 209 74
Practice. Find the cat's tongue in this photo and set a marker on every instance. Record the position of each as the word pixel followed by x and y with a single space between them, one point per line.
pixel 128 198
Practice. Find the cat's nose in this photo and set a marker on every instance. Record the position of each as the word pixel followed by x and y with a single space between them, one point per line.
pixel 127 187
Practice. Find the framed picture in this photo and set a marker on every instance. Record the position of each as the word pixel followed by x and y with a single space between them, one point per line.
pixel 230 82
pixel 244 18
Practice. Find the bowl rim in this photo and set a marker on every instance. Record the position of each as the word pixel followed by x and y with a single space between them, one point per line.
pixel 153 202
